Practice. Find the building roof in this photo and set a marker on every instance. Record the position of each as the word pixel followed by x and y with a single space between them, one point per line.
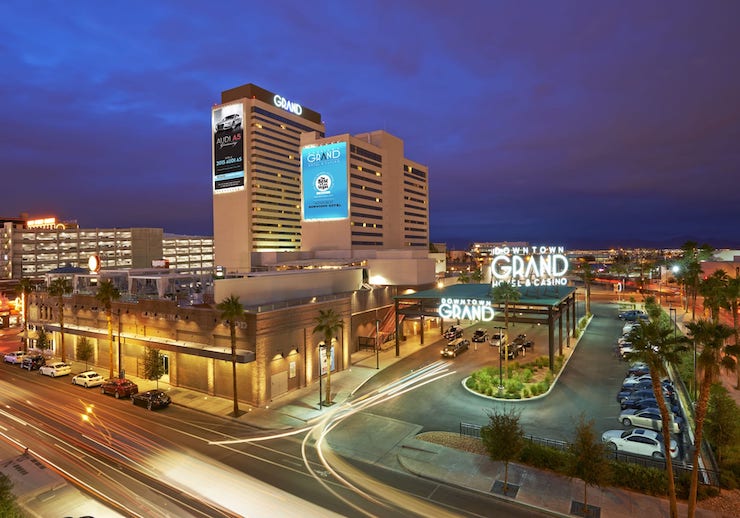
pixel 529 295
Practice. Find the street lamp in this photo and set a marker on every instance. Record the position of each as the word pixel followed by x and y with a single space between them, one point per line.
pixel 500 359
pixel 322 345
pixel 377 343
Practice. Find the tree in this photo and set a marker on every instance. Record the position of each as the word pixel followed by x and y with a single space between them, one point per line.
pixel 621 267
pixel 722 423
pixel 8 505
pixel 714 289
pixel 477 275
pixel 58 288
pixel 106 294
pixel 503 437
pixel 588 459
pixel 711 337
pixel 43 340
pixel 657 346
pixel 505 292
pixel 463 278
pixel 329 323
pixel 153 364
pixel 84 350
pixel 690 270
pixel 584 271
pixel 24 289
pixel 733 305
pixel 232 311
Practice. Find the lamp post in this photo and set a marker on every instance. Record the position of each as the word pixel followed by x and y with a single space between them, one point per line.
pixel 500 359
pixel 121 372
pixel 322 345
pixel 377 343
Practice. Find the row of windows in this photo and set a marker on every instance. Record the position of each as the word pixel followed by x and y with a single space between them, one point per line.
pixel 290 154
pixel 270 156
pixel 371 234
pixel 365 188
pixel 365 153
pixel 290 123
pixel 367 243
pixel 356 214
pixel 374 178
pixel 416 172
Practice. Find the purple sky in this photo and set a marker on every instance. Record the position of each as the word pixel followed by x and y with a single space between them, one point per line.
pixel 576 123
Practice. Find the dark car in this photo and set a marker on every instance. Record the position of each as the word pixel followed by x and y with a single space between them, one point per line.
pixel 633 315
pixel 455 347
pixel 151 399
pixel 33 362
pixel 638 369
pixel 119 387
pixel 514 349
pixel 453 332
pixel 480 335
pixel 521 340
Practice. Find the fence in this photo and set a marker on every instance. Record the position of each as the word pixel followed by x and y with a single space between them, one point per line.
pixel 709 477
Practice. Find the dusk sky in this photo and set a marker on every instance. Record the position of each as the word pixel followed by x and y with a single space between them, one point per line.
pixel 576 123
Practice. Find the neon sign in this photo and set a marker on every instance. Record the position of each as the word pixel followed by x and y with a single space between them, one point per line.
pixel 469 309
pixel 529 266
pixel 282 102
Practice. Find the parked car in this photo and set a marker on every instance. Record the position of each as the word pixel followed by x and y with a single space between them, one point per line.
pixel 633 315
pixel 648 418
pixel 33 362
pixel 88 379
pixel 638 369
pixel 14 357
pixel 513 349
pixel 230 122
pixel 629 328
pixel 55 369
pixel 638 441
pixel 480 335
pixel 455 347
pixel 151 399
pixel 453 332
pixel 119 387
pixel 648 393
pixel 498 339
pixel 650 402
pixel 522 340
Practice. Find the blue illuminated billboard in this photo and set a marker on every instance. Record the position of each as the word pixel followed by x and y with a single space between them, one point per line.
pixel 324 182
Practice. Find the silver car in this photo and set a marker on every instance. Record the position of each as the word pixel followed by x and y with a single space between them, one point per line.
pixel 230 122
pixel 647 418
pixel 88 379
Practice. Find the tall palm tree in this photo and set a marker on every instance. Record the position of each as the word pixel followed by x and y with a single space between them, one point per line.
pixel 714 291
pixel 58 288
pixel 584 271
pixel 505 292
pixel 463 278
pixel 714 353
pixel 232 311
pixel 656 345
pixel 691 270
pixel 733 304
pixel 622 266
pixel 329 323
pixel 25 288
pixel 106 294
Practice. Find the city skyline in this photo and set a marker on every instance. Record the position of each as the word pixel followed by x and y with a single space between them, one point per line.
pixel 585 125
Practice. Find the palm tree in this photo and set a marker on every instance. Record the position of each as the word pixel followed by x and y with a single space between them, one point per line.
pixel 714 291
pixel 328 323
pixel 656 345
pixel 714 353
pixel 25 288
pixel 463 278
pixel 733 304
pixel 232 311
pixel 586 274
pixel 58 288
pixel 506 293
pixel 691 270
pixel 106 294
pixel 477 275
pixel 621 266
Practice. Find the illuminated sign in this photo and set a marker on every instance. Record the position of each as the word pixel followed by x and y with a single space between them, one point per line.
pixel 93 264
pixel 470 309
pixel 228 148
pixel 324 186
pixel 282 102
pixel 47 223
pixel 529 266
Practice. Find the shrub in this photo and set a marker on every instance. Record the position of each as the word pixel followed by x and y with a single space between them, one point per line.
pixel 633 476
pixel 544 457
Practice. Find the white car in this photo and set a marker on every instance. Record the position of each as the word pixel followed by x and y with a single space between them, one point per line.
pixel 647 418
pixel 55 369
pixel 638 441
pixel 88 379
pixel 14 358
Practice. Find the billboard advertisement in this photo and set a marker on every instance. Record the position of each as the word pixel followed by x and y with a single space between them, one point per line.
pixel 324 184
pixel 228 147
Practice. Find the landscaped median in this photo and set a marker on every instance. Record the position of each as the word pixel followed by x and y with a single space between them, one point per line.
pixel 521 380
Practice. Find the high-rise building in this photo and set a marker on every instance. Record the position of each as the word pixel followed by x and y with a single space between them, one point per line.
pixel 256 173
pixel 361 193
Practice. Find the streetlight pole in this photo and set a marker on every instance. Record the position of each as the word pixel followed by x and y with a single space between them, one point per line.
pixel 121 373
pixel 500 360
pixel 321 364
pixel 377 343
